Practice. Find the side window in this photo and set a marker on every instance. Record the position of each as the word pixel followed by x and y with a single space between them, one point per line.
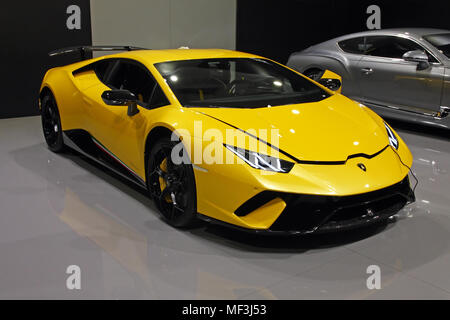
pixel 101 67
pixel 158 98
pixel 391 47
pixel 137 79
pixel 354 45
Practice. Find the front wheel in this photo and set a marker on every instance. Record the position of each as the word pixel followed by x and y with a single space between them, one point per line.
pixel 51 124
pixel 172 185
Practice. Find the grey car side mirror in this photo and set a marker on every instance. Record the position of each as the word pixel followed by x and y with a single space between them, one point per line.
pixel 418 56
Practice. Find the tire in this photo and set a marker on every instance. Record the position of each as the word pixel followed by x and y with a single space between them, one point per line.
pixel 51 124
pixel 172 186
pixel 314 73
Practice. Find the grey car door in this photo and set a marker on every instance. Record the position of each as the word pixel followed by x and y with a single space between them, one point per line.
pixel 353 51
pixel 386 79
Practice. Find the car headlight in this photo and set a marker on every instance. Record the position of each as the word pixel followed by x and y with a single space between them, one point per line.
pixel 261 161
pixel 393 141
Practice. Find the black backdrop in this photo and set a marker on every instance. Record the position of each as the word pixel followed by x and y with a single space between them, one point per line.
pixel 28 31
pixel 275 29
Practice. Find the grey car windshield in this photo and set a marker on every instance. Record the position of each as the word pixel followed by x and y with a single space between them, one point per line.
pixel 237 83
pixel 440 41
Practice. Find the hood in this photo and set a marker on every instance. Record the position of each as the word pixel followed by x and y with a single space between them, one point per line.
pixel 330 130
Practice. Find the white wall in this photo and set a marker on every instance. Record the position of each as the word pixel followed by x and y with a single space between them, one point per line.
pixel 160 24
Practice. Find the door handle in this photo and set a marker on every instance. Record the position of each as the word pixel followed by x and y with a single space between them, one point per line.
pixel 367 71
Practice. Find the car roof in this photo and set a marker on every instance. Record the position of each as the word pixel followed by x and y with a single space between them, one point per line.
pixel 414 32
pixel 156 56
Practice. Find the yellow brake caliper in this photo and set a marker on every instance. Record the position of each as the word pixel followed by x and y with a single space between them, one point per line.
pixel 162 182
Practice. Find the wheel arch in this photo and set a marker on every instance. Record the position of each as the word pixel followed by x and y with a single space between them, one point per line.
pixel 330 64
pixel 154 135
pixel 45 90
pixel 48 82
pixel 320 61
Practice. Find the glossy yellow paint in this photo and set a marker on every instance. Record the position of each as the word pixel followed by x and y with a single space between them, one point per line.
pixel 265 216
pixel 329 130
pixel 331 75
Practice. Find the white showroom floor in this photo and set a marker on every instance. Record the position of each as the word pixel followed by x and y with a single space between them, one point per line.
pixel 62 210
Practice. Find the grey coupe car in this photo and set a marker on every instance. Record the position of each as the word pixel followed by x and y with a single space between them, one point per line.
pixel 400 73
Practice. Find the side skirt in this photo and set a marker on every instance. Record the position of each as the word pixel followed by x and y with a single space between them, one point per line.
pixel 82 142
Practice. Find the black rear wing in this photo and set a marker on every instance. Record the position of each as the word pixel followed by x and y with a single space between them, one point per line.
pixel 82 50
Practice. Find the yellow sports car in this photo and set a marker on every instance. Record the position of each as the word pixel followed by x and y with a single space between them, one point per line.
pixel 229 137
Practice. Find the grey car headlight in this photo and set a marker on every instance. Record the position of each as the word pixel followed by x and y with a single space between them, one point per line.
pixel 393 141
pixel 261 161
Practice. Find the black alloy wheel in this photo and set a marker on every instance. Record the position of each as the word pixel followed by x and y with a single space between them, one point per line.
pixel 171 185
pixel 51 124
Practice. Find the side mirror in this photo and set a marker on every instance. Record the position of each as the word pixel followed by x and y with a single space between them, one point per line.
pixel 417 56
pixel 121 98
pixel 332 81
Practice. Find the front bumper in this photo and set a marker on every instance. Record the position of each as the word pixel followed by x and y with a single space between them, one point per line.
pixel 306 214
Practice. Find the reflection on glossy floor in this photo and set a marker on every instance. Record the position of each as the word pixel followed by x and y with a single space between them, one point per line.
pixel 61 210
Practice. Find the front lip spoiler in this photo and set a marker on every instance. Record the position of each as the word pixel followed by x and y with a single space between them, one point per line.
pixel 247 230
pixel 268 232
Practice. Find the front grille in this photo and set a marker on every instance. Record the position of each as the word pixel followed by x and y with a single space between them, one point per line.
pixel 309 213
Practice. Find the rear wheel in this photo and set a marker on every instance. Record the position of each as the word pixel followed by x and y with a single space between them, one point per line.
pixel 171 185
pixel 314 73
pixel 51 124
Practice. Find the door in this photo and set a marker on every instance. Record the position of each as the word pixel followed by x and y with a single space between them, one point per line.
pixel 353 52
pixel 387 79
pixel 120 134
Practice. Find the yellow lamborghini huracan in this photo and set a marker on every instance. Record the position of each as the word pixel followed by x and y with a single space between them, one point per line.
pixel 262 147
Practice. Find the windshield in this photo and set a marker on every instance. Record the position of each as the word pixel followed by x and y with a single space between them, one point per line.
pixel 237 83
pixel 440 41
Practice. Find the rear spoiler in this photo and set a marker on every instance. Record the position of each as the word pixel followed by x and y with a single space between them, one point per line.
pixel 82 50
